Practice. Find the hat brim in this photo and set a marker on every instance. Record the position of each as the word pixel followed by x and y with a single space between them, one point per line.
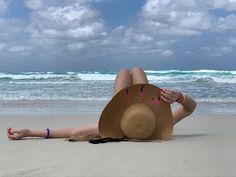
pixel 109 122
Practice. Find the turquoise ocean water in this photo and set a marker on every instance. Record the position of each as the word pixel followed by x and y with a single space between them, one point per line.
pixel 73 93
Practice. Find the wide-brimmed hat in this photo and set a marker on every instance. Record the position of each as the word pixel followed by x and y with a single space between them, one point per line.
pixel 137 112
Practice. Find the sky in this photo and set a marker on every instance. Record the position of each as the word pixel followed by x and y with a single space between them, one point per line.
pixel 96 35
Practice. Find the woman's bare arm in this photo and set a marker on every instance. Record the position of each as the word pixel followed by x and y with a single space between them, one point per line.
pixel 187 107
pixel 53 133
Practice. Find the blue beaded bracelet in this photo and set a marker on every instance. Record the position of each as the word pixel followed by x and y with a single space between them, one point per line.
pixel 48 134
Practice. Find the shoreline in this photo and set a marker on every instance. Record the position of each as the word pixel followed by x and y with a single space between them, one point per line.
pixel 67 108
pixel 93 115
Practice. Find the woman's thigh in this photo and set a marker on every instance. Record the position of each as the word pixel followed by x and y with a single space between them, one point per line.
pixel 139 76
pixel 123 79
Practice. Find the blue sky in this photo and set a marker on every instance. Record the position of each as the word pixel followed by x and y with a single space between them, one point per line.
pixel 75 35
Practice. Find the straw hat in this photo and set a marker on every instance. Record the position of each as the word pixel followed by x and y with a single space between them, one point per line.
pixel 137 112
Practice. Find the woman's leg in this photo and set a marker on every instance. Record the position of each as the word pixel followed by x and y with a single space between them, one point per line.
pixel 123 79
pixel 139 76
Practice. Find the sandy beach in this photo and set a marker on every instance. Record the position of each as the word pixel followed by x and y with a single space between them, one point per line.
pixel 202 145
pixel 63 61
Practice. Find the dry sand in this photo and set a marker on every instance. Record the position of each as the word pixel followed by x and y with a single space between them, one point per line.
pixel 201 146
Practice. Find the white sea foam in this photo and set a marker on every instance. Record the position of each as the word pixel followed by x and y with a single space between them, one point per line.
pixel 45 97
pixel 162 76
pixel 34 76
pixel 216 100
pixel 96 76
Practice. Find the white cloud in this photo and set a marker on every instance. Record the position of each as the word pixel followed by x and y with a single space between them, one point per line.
pixel 133 43
pixel 14 41
pixel 10 26
pixel 20 49
pixel 220 51
pixel 226 23
pixel 76 46
pixel 177 18
pixel 3 6
pixel 185 18
pixel 167 53
pixel 228 5
pixel 73 29
pixel 232 42
pixel 78 22
pixel 88 32
pixel 34 4
pixel 2 45
pixel 216 51
pixel 195 20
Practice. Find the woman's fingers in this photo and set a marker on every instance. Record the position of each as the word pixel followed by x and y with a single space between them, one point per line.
pixel 172 93
pixel 168 96
pixel 14 134
pixel 166 100
pixel 10 135
pixel 14 137
pixel 17 131
pixel 9 131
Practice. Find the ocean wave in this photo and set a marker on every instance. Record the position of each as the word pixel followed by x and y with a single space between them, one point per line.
pixel 202 71
pixel 67 98
pixel 159 76
pixel 38 76
pixel 217 100
pixel 50 98
pixel 204 80
pixel 193 79
pixel 70 76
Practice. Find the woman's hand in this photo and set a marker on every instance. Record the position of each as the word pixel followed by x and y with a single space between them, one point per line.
pixel 170 96
pixel 17 134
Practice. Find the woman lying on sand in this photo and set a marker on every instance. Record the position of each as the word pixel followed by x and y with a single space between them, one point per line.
pixel 123 79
